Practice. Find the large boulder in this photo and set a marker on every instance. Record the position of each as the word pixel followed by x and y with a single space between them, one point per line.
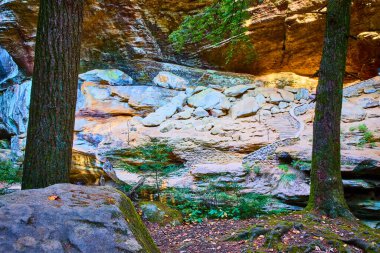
pixel 237 90
pixel 71 218
pixel 245 107
pixel 170 81
pixel 209 99
pixel 143 97
pixel 210 170
pixel 107 76
pixel 8 68
pixel 165 112
pixel 98 101
pixel 352 113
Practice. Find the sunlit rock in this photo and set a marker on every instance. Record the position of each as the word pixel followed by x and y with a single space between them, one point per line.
pixel 244 108
pixel 352 113
pixel 107 76
pixel 237 90
pixel 209 99
pixel 170 81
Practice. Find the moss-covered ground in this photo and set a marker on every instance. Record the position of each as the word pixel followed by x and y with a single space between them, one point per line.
pixel 295 232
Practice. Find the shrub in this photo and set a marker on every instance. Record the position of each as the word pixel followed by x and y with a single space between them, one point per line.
pixel 363 128
pixel 215 204
pixel 155 159
pixel 9 173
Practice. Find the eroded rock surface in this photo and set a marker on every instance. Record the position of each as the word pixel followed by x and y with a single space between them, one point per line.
pixel 67 217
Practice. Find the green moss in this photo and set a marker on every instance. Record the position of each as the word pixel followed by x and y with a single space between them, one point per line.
pixel 160 213
pixel 136 225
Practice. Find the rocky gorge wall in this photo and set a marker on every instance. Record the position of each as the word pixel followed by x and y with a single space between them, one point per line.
pixel 283 33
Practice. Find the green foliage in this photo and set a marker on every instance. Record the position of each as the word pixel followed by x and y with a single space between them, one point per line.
pixel 213 203
pixel 352 128
pixel 218 24
pixel 283 167
pixel 9 173
pixel 4 144
pixel 301 165
pixel 288 177
pixel 155 159
pixel 363 128
pixel 257 170
pixel 368 137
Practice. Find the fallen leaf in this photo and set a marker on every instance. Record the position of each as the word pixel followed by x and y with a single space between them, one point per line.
pixel 54 197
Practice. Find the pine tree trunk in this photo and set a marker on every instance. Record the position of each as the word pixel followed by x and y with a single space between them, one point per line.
pixel 326 193
pixel 54 93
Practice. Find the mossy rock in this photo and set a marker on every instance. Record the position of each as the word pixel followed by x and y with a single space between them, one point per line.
pixel 160 213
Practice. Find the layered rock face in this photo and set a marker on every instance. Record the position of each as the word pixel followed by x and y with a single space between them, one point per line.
pixel 68 218
pixel 282 32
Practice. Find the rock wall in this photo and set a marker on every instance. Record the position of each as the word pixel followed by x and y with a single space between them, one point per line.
pixel 283 33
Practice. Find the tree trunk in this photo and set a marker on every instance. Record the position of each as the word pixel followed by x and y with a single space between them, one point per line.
pixel 326 193
pixel 54 94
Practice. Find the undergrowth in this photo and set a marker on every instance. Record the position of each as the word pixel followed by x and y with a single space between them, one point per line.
pixel 212 203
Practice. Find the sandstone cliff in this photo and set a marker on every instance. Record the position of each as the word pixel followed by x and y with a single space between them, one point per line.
pixel 284 32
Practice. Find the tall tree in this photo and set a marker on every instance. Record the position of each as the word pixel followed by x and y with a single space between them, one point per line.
pixel 54 93
pixel 326 193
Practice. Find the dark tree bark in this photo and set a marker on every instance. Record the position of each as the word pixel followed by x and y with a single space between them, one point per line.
pixel 326 193
pixel 54 93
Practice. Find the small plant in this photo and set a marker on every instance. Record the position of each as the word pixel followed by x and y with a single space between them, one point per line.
pixel 155 161
pixel 352 129
pixel 301 165
pixel 9 173
pixel 288 177
pixel 363 128
pixel 257 170
pixel 368 137
pixel 284 167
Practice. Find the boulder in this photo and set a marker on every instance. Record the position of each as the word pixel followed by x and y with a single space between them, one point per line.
pixel 283 105
pixel 65 216
pixel 160 213
pixel 98 101
pixel 143 97
pixel 275 110
pixel 211 170
pixel 352 113
pixel 170 81
pixel 165 112
pixel 107 76
pixel 302 94
pixel 185 114
pixel 368 103
pixel 260 99
pixel 217 113
pixel 237 90
pixel 275 97
pixel 287 96
pixel 8 68
pixel 209 99
pixel 245 107
pixel 200 113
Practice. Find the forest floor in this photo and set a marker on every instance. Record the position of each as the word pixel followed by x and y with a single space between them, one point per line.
pixel 297 232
